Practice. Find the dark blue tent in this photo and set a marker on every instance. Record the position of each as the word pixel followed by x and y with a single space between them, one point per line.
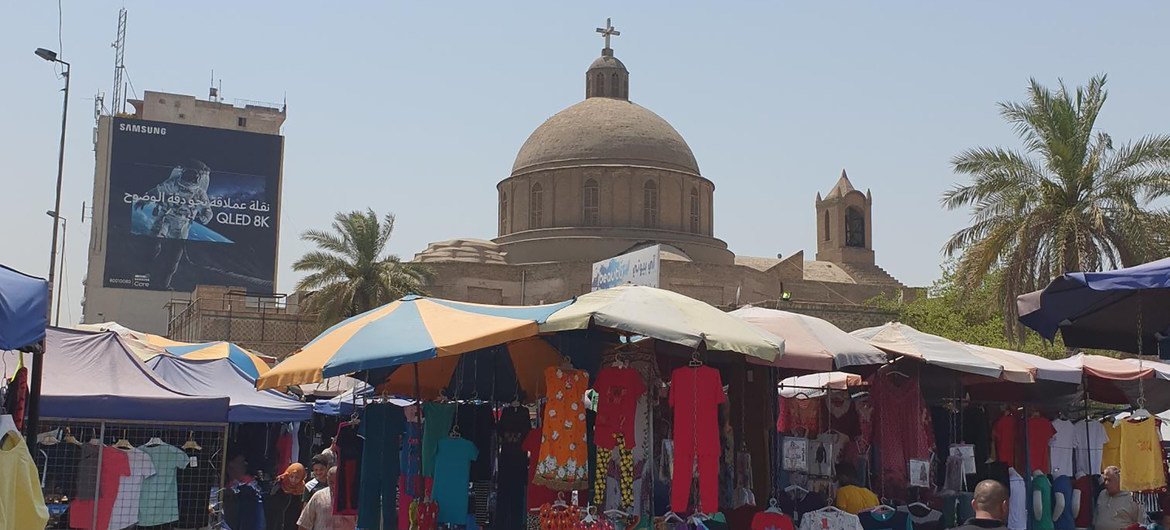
pixel 94 376
pixel 1106 310
pixel 24 309
pixel 219 377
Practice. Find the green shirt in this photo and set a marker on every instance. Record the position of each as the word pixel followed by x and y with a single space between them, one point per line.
pixel 159 502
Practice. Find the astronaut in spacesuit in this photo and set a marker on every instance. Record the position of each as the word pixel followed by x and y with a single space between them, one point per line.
pixel 182 199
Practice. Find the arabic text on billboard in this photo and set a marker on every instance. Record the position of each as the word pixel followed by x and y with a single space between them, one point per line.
pixel 191 205
pixel 636 268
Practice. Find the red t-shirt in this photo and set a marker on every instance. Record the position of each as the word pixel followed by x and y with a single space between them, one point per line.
pixel 1004 435
pixel 695 394
pixel 1040 431
pixel 618 390
pixel 771 521
pixel 115 465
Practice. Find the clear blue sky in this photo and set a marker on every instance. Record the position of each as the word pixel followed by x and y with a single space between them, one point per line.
pixel 418 108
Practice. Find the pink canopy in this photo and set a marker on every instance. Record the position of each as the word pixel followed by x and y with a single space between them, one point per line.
pixel 811 343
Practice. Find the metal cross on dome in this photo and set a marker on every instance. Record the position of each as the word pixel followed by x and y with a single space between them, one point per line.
pixel 608 31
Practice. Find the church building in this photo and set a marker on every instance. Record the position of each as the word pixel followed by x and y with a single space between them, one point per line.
pixel 607 176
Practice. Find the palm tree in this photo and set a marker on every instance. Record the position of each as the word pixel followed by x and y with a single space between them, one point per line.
pixel 1070 201
pixel 348 272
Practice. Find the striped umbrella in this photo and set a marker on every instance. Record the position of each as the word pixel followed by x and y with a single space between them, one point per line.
pixel 245 360
pixel 406 331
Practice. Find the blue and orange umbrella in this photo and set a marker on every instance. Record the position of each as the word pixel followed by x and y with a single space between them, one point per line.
pixel 245 360
pixel 411 330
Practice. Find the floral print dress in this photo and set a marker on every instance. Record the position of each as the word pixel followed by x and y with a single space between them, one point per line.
pixel 564 454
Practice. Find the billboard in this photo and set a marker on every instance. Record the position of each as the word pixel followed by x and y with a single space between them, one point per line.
pixel 191 206
pixel 636 268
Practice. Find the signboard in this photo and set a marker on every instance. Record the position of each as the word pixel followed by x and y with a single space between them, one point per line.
pixel 191 205
pixel 640 267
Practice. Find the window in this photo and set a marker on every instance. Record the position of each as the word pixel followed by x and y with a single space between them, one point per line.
pixel 695 210
pixel 828 228
pixel 590 196
pixel 613 85
pixel 650 204
pixel 503 213
pixel 599 84
pixel 242 121
pixel 854 228
pixel 535 206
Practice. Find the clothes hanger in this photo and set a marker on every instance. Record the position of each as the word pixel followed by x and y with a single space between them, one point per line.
pixel 793 488
pixel 94 440
pixel 590 515
pixel 672 517
pixel 154 442
pixel 919 505
pixel 695 361
pixel 884 508
pixel 191 444
pixel 49 438
pixel 560 502
pixel 69 439
pixel 455 431
pixel 774 507
pixel 123 443
pixel 615 512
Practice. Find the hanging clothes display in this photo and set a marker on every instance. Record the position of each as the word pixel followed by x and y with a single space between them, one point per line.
pixel 695 395
pixel 477 423
pixel 884 520
pixel 1089 440
pixel 437 421
pixel 1017 501
pixel 558 517
pixel 801 416
pixel 769 520
pixel 564 456
pixel 159 502
pixel 537 495
pixel 410 462
pixel 1141 456
pixel 16 396
pixel 1003 434
pixel 1062 447
pixel 452 475
pixel 902 428
pixel 512 472
pixel 923 517
pixel 1040 432
pixel 1084 499
pixel 830 519
pixel 1111 450
pixel 382 426
pixel 114 465
pixel 618 390
pixel 22 504
pixel 126 503
pixel 347 447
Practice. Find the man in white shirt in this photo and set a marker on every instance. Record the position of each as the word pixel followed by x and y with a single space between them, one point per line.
pixel 318 512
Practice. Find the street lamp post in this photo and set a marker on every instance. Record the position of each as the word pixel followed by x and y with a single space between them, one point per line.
pixel 64 239
pixel 34 395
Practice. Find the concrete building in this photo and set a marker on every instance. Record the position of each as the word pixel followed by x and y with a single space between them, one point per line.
pixel 140 309
pixel 607 176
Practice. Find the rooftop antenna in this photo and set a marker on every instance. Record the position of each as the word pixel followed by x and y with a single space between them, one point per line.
pixel 213 92
pixel 118 104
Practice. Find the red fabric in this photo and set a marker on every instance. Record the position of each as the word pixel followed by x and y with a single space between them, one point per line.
pixel 115 465
pixel 1003 433
pixel 618 390
pixel 428 516
pixel 17 399
pixel 902 428
pixel 695 395
pixel 771 521
pixel 742 517
pixel 284 450
pixel 801 417
pixel 537 495
pixel 1084 485
pixel 1040 431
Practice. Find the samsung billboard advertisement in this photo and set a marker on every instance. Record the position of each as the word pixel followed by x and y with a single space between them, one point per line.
pixel 191 206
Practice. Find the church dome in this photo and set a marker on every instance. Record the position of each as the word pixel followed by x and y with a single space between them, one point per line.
pixel 605 131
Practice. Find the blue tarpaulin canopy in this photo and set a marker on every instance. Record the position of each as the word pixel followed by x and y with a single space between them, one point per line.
pixel 1107 310
pixel 220 377
pixel 94 376
pixel 24 309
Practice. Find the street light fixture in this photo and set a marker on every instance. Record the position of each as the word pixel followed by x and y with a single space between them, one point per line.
pixel 64 239
pixel 34 394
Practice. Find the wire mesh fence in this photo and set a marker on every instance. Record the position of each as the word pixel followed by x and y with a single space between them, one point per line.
pixel 115 475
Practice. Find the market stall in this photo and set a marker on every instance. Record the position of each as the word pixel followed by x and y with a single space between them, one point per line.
pixel 107 415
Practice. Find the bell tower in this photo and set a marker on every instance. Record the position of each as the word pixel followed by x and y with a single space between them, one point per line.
pixel 844 228
pixel 607 77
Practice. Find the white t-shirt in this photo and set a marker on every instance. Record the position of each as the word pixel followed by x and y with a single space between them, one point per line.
pixel 318 514
pixel 1061 447
pixel 1017 505
pixel 130 490
pixel 1089 444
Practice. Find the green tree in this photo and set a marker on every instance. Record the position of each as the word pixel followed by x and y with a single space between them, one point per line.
pixel 971 315
pixel 348 272
pixel 1069 201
